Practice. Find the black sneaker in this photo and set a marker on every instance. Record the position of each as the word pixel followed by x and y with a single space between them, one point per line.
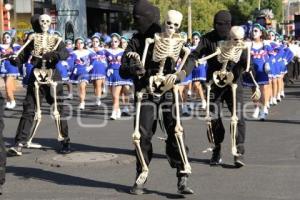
pixel 15 150
pixel 216 157
pixel 183 187
pixel 239 161
pixel 137 189
pixel 65 147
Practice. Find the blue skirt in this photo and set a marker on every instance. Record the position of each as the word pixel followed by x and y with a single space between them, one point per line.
pixel 199 73
pixel 98 71
pixel 63 69
pixel 79 74
pixel 114 78
pixel 7 69
pixel 187 80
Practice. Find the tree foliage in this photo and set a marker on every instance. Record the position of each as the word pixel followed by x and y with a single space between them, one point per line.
pixel 203 11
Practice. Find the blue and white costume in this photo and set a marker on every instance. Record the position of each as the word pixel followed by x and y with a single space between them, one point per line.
pixel 65 67
pixel 259 58
pixel 80 71
pixel 113 57
pixel 276 54
pixel 288 56
pixel 98 61
pixel 28 70
pixel 7 69
pixel 199 72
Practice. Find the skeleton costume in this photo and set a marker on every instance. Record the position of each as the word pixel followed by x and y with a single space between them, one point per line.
pixel 207 46
pixel 43 47
pixel 151 108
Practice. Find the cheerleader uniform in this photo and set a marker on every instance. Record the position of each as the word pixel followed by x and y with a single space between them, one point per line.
pixel 275 54
pixel 7 69
pixel 81 67
pixel 64 67
pixel 113 58
pixel 98 60
pixel 259 58
pixel 287 57
pixel 199 72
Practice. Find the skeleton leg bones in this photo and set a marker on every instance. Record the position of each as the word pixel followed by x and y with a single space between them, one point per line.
pixel 210 134
pixel 179 136
pixel 37 118
pixel 234 121
pixel 56 113
pixel 136 141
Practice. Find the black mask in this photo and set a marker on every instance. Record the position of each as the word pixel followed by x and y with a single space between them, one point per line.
pixel 145 15
pixel 222 24
pixel 35 23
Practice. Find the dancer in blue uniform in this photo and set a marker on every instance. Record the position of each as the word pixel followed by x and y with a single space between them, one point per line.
pixel 199 71
pixel 261 65
pixel 114 81
pixel 80 71
pixel 98 72
pixel 8 71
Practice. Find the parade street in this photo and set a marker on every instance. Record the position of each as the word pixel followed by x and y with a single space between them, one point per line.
pixel 102 165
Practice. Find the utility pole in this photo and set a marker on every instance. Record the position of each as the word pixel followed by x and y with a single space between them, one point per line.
pixel 189 19
pixel 259 1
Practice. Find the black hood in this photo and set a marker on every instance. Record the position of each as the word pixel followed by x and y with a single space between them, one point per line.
pixel 35 23
pixel 144 15
pixel 222 24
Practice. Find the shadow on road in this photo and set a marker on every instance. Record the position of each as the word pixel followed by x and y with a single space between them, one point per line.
pixel 65 179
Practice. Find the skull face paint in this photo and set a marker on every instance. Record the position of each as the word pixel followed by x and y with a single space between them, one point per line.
pixel 45 22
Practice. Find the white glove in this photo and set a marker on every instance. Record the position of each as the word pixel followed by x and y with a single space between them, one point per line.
pixel 110 72
pixel 89 68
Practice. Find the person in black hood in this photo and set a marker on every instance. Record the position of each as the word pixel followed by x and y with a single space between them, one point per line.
pixel 146 18
pixel 207 46
pixel 24 130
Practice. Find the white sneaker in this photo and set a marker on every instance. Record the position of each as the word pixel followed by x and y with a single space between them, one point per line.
pixel 268 105
pixel 271 102
pixel 185 110
pixel 104 90
pixel 98 102
pixel 256 113
pixel 189 93
pixel 7 106
pixel 262 116
pixel 70 96
pixel 278 98
pixel 12 104
pixel 282 94
pixel 113 115
pixel 125 111
pixel 119 114
pixel 266 110
pixel 203 106
pixel 274 100
pixel 81 106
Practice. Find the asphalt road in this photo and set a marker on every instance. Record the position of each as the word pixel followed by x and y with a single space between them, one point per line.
pixel 272 158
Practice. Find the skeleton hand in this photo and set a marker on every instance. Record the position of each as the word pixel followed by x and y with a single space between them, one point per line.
pixel 133 55
pixel 139 69
pixel 172 78
pixel 256 95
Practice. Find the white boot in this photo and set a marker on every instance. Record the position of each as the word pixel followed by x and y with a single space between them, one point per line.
pixel 266 110
pixel 274 100
pixel 119 114
pixel 113 115
pixel 256 112
pixel 98 101
pixel 282 94
pixel 81 105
